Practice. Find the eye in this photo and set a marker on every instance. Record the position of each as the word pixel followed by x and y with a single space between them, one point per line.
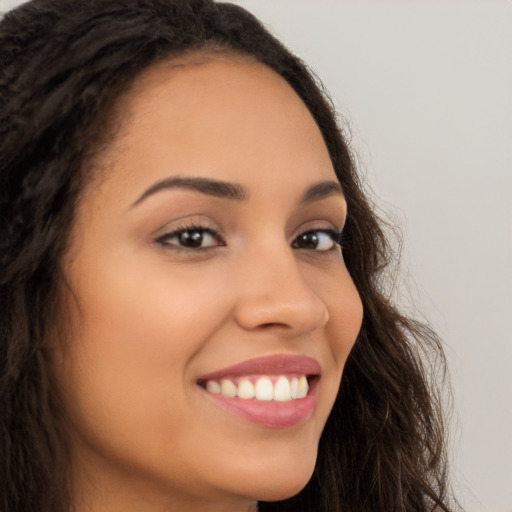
pixel 193 237
pixel 318 240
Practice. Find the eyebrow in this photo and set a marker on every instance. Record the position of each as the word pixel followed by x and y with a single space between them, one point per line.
pixel 233 191
pixel 203 185
pixel 321 190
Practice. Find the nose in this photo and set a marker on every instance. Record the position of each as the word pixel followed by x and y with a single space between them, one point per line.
pixel 274 293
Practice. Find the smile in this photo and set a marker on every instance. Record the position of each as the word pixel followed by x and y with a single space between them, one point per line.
pixel 282 388
pixel 274 391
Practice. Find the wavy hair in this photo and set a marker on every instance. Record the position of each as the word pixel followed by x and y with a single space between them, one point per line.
pixel 64 66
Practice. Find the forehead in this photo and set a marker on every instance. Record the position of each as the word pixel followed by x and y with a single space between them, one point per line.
pixel 228 86
pixel 229 117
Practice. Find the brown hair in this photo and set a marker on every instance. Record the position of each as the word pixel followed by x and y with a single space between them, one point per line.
pixel 63 66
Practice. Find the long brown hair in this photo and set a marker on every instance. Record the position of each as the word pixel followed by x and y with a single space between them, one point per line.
pixel 63 66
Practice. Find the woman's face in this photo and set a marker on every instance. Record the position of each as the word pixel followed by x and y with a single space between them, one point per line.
pixel 204 262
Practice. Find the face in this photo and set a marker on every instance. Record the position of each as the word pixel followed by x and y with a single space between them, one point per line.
pixel 204 269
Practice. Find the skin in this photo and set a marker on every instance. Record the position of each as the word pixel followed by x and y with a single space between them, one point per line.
pixel 149 316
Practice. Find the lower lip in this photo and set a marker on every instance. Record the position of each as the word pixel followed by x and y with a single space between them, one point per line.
pixel 269 413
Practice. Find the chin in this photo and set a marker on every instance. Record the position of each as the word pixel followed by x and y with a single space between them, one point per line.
pixel 282 490
pixel 278 483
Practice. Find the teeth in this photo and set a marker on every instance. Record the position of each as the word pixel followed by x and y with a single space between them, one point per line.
pixel 294 388
pixel 213 387
pixel 227 388
pixel 283 389
pixel 264 389
pixel 303 387
pixel 246 389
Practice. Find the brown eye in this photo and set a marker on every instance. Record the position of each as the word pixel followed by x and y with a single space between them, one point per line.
pixel 191 238
pixel 307 240
pixel 317 240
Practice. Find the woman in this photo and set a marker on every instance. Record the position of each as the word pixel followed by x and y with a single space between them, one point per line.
pixel 189 269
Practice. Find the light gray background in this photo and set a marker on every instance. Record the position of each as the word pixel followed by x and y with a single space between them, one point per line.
pixel 427 89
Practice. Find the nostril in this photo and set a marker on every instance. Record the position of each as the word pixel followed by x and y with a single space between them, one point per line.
pixel 270 325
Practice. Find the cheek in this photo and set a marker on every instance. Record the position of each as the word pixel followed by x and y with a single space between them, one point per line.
pixel 345 312
pixel 134 331
pixel 145 310
pixel 345 319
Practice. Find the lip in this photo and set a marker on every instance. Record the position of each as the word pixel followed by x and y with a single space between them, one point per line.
pixel 281 364
pixel 269 414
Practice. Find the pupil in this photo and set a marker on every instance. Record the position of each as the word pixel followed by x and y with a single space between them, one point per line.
pixel 191 238
pixel 308 240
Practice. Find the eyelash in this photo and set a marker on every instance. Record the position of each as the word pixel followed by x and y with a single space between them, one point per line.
pixel 164 239
pixel 336 238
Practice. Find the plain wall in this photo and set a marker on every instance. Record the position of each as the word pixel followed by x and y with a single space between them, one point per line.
pixel 427 90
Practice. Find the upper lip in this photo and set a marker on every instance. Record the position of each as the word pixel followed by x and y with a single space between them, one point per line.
pixel 268 365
